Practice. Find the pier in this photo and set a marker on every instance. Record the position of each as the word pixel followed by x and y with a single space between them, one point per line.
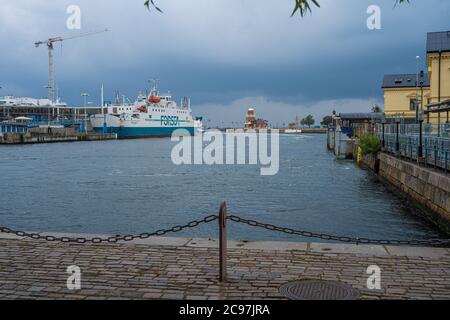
pixel 187 268
pixel 280 130
pixel 50 135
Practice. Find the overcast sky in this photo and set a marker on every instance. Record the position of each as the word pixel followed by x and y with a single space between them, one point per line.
pixel 225 55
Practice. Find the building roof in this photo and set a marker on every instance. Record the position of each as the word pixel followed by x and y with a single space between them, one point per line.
pixel 404 81
pixel 438 41
pixel 362 116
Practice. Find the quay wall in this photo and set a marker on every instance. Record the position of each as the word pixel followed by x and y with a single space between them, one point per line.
pixel 57 136
pixel 426 188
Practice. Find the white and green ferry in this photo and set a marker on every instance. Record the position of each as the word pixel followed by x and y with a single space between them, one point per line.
pixel 151 115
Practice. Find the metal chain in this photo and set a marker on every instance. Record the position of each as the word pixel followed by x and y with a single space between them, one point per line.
pixel 112 239
pixel 211 218
pixel 323 236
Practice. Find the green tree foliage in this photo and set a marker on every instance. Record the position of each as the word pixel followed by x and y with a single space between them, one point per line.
pixel 327 120
pixel 301 6
pixel 308 121
pixel 152 3
pixel 370 144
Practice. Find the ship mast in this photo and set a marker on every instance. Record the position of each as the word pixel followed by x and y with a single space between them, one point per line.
pixel 154 90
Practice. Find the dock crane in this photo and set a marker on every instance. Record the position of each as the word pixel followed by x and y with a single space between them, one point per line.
pixel 51 67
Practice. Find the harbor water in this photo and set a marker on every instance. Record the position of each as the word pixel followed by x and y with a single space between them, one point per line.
pixel 132 186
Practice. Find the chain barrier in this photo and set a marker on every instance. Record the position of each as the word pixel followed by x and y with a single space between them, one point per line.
pixel 323 236
pixel 112 239
pixel 211 218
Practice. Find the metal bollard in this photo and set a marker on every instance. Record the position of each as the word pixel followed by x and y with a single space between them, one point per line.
pixel 223 242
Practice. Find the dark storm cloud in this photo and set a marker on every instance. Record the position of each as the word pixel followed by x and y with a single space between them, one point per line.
pixel 218 52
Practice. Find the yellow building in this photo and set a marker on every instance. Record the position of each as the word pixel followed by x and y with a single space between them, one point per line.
pixel 438 61
pixel 400 90
pixel 401 93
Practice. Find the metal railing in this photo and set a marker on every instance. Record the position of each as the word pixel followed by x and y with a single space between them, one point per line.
pixel 222 217
pixel 428 144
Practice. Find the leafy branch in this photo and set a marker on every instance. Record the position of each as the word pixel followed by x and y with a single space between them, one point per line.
pixel 301 6
pixel 147 4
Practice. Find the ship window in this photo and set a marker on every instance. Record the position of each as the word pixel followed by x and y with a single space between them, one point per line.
pixel 150 116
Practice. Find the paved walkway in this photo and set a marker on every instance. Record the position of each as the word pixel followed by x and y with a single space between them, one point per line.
pixel 181 268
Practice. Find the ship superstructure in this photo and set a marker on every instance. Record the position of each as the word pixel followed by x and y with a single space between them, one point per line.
pixel 151 115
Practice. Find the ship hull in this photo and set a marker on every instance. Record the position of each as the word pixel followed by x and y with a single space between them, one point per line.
pixel 144 132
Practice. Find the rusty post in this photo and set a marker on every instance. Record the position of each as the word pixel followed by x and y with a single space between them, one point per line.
pixel 223 242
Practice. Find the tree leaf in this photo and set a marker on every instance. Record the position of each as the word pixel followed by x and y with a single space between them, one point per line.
pixel 147 4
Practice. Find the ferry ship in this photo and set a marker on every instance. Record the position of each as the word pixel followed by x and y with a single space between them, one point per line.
pixel 151 115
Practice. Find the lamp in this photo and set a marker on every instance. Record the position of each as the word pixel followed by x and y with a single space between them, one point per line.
pixel 420 147
pixel 85 95
pixel 397 140
pixel 383 125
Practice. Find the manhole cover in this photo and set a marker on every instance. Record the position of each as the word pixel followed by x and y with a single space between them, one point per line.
pixel 318 290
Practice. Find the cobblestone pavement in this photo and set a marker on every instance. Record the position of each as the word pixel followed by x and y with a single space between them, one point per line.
pixel 31 269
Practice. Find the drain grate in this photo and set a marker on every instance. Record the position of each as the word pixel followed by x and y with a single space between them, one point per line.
pixel 318 290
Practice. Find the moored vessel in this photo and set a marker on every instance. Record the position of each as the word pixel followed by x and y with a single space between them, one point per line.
pixel 151 115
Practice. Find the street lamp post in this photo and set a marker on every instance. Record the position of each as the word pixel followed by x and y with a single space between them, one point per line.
pixel 85 95
pixel 48 108
pixel 1 87
pixel 420 148
pixel 417 90
pixel 397 140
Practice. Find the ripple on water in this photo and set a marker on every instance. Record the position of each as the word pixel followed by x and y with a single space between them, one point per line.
pixel 132 186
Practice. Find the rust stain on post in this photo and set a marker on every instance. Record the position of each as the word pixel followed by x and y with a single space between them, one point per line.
pixel 223 242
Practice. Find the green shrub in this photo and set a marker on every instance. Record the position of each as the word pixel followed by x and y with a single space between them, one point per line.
pixel 370 144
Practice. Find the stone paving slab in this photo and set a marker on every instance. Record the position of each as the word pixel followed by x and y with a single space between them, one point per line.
pixel 256 245
pixel 418 252
pixel 162 241
pixel 349 248
pixel 36 269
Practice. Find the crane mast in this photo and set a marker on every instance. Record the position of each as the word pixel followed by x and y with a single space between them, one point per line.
pixel 51 64
pixel 51 75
